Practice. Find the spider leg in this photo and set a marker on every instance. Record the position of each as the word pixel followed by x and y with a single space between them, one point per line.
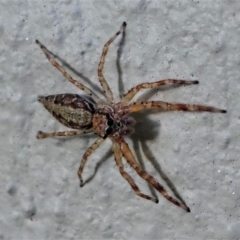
pixel 128 155
pixel 89 151
pixel 42 135
pixel 106 89
pixel 67 75
pixel 132 92
pixel 118 158
pixel 142 105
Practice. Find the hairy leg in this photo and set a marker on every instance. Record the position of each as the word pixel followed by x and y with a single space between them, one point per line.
pixel 128 155
pixel 67 75
pixel 118 158
pixel 106 89
pixel 89 151
pixel 132 92
pixel 42 135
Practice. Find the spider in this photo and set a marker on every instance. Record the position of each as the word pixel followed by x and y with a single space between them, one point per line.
pixel 111 120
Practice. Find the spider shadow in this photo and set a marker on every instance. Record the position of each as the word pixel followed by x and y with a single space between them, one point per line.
pixel 140 133
pixel 139 138
pixel 77 73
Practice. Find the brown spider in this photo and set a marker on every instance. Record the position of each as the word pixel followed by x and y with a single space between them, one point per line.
pixel 109 119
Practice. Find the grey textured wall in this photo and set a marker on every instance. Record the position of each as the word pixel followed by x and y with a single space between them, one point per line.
pixel 198 153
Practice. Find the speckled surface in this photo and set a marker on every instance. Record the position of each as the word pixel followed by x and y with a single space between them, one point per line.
pixel 197 152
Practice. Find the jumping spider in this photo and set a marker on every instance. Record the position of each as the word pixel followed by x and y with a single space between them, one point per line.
pixel 109 119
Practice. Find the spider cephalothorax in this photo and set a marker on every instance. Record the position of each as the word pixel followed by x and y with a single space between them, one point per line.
pixel 110 120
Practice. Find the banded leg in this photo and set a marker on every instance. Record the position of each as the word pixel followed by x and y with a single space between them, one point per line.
pixel 42 135
pixel 89 151
pixel 106 89
pixel 141 105
pixel 132 92
pixel 67 75
pixel 128 155
pixel 118 158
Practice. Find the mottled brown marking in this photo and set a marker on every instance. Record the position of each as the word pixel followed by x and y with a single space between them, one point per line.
pixel 71 110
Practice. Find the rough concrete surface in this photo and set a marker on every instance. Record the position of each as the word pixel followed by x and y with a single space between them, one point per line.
pixel 194 155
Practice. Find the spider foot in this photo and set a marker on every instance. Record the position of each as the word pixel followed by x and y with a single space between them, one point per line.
pixel 186 208
pixel 40 98
pixel 41 135
pixel 80 179
pixel 38 43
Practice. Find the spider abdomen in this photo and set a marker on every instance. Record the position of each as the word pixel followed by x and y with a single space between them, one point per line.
pixel 72 110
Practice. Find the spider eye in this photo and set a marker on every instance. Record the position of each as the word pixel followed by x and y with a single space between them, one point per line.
pixel 109 131
pixel 110 121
